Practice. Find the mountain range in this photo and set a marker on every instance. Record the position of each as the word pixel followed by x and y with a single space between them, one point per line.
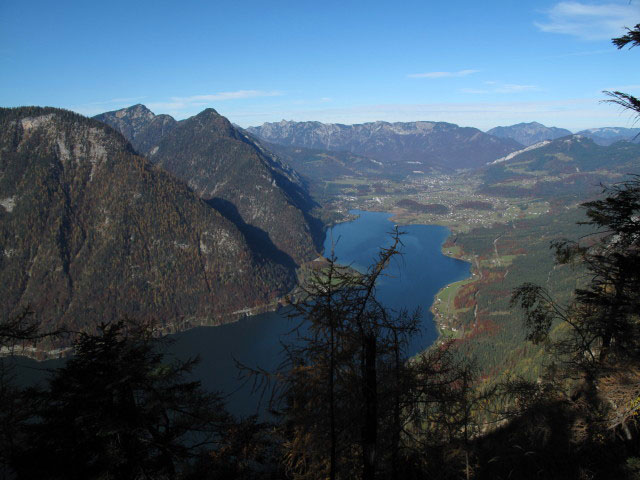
pixel 137 214
pixel 404 148
pixel 139 125
pixel 531 133
pixel 323 165
pixel 90 231
pixel 233 173
pixel 608 135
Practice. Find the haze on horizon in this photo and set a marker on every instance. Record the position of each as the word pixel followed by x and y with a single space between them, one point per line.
pixel 469 63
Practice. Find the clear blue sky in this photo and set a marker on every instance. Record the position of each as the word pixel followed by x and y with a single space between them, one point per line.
pixel 474 63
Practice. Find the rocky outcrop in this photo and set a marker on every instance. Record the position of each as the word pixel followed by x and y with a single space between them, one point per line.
pixel 139 125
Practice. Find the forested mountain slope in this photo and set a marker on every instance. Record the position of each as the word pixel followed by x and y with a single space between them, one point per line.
pixel 529 133
pixel 477 311
pixel 264 197
pixel 418 146
pixel 91 232
pixel 322 165
pixel 568 166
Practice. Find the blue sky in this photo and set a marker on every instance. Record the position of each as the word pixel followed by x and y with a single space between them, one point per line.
pixel 472 63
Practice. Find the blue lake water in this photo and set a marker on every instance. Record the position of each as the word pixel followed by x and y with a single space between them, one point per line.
pixel 414 279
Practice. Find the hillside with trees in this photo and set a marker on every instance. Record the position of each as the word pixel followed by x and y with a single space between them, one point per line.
pixel 92 232
pixel 264 197
pixel 401 147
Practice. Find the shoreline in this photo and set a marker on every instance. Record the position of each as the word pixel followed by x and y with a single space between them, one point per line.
pixel 443 320
pixel 185 324
pixel 443 330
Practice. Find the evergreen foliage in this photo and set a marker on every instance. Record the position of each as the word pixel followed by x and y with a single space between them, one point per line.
pixel 118 410
pixel 351 404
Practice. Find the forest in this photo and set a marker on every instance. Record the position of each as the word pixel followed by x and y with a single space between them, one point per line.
pixel 346 402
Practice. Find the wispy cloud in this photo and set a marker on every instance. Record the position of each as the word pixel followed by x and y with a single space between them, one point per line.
pixel 179 107
pixel 460 73
pixel 495 87
pixel 590 21
pixel 184 106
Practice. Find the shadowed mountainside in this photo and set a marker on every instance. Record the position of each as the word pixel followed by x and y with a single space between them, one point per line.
pixel 139 125
pixel 90 232
pixel 235 174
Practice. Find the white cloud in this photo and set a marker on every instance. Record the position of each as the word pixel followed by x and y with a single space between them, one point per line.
pixel 182 107
pixel 460 73
pixel 590 21
pixel 179 107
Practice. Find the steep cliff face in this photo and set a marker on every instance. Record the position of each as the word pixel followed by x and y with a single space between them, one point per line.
pixel 235 174
pixel 91 232
pixel 139 125
pixel 430 144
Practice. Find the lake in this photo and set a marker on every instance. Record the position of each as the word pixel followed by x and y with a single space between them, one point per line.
pixel 414 279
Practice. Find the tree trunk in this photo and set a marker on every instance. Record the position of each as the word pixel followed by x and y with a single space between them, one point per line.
pixel 332 413
pixel 370 397
pixel 395 441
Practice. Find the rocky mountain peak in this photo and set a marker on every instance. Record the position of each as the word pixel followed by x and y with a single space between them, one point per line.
pixel 529 133
pixel 237 175
pixel 139 125
pixel 137 111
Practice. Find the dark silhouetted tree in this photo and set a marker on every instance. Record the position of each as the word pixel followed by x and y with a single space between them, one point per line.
pixel 119 409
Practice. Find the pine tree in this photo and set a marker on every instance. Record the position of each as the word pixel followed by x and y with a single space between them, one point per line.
pixel 119 409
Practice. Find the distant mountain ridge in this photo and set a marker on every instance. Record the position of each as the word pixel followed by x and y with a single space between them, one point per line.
pixel 575 152
pixel 529 133
pixel 92 232
pixel 560 167
pixel 406 147
pixel 320 165
pixel 235 174
pixel 608 135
